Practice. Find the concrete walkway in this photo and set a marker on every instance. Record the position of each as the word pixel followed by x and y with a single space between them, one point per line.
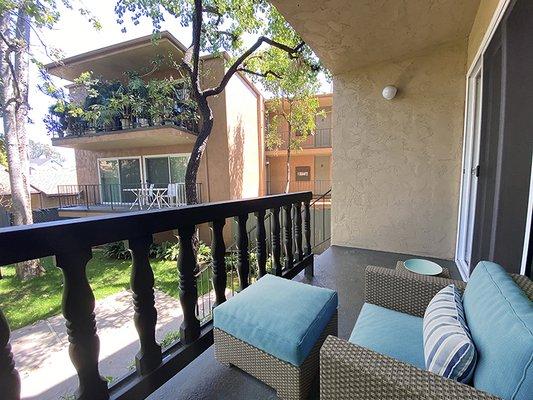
pixel 41 349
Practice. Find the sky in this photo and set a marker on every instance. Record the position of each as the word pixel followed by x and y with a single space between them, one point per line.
pixel 73 35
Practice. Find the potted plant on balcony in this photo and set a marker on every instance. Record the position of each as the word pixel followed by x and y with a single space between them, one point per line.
pixel 92 116
pixel 139 107
pixel 161 100
pixel 121 104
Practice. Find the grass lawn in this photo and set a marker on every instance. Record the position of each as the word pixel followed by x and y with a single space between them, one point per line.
pixel 25 302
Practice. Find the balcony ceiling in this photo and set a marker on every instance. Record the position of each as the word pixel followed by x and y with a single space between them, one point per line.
pixel 112 61
pixel 131 139
pixel 349 34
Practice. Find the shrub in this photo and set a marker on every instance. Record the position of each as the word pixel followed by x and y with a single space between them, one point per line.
pixel 117 250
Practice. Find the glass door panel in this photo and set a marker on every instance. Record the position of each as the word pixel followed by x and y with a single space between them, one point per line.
pixel 178 167
pixel 109 180
pixel 157 171
pixel 130 178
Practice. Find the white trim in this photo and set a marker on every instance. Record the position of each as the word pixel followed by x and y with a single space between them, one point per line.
pixel 528 222
pixel 499 12
pixel 477 62
pixel 470 152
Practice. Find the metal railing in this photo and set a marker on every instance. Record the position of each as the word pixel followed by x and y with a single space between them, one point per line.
pixel 321 220
pixel 119 197
pixel 320 138
pixel 80 128
pixel 318 187
pixel 71 243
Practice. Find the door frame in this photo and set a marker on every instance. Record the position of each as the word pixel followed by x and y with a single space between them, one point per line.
pixel 471 146
pixel 529 221
pixel 473 70
pixel 141 173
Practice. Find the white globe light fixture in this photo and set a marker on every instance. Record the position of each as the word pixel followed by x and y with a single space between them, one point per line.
pixel 389 92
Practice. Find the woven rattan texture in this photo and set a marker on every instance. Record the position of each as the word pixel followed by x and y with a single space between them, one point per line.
pixel 289 381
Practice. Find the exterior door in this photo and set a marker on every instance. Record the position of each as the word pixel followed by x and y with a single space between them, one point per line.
pixel 506 142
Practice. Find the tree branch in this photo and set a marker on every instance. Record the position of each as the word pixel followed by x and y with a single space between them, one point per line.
pixel 261 74
pixel 292 53
pixel 196 36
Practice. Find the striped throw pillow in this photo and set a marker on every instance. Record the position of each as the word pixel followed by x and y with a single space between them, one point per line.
pixel 448 347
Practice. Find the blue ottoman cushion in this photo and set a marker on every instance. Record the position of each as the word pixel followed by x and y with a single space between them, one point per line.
pixel 390 333
pixel 279 316
pixel 500 318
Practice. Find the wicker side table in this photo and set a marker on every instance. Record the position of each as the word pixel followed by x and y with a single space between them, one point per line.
pixel 444 274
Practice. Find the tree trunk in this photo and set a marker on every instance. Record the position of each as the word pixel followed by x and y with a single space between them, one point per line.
pixel 198 150
pixel 288 166
pixel 22 68
pixel 14 100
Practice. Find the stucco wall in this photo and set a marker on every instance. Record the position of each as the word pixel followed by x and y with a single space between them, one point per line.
pixel 396 164
pixel 243 138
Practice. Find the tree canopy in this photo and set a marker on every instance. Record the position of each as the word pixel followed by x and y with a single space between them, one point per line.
pixel 252 32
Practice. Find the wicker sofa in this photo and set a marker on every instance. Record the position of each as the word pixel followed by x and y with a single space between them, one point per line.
pixel 350 371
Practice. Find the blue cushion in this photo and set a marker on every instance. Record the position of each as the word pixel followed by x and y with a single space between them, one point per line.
pixel 500 318
pixel 448 348
pixel 390 333
pixel 279 316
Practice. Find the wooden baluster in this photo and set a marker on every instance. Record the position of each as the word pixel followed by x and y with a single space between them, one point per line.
pixel 309 270
pixel 287 228
pixel 145 317
pixel 261 243
pixel 78 309
pixel 243 260
pixel 307 228
pixel 276 241
pixel 218 251
pixel 9 377
pixel 190 326
pixel 298 231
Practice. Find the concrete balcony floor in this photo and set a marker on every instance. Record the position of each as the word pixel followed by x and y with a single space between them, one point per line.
pixel 338 268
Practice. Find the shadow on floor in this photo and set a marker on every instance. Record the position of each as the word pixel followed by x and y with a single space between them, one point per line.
pixel 338 268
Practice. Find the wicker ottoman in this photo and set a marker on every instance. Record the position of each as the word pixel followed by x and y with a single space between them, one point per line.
pixel 273 330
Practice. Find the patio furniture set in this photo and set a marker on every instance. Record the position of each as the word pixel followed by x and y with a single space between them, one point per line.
pixel 416 337
pixel 149 196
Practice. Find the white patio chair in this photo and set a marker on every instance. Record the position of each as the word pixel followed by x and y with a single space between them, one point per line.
pixel 171 194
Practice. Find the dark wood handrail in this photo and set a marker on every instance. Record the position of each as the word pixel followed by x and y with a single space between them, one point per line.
pixel 27 242
pixel 71 243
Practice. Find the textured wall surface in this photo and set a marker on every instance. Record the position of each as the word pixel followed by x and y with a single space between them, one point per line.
pixel 243 138
pixel 396 164
pixel 349 34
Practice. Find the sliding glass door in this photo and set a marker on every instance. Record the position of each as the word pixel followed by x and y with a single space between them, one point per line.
pixel 162 170
pixel 117 176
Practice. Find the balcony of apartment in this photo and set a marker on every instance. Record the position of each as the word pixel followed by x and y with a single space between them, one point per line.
pixel 142 116
pixel 147 134
pixel 319 187
pixel 396 178
pixel 318 143
pixel 94 199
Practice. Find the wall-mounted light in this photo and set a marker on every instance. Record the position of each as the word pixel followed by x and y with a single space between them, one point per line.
pixel 389 92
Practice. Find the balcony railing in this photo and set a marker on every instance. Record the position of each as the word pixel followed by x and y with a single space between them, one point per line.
pixel 321 138
pixel 71 243
pixel 82 128
pixel 318 187
pixel 120 197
